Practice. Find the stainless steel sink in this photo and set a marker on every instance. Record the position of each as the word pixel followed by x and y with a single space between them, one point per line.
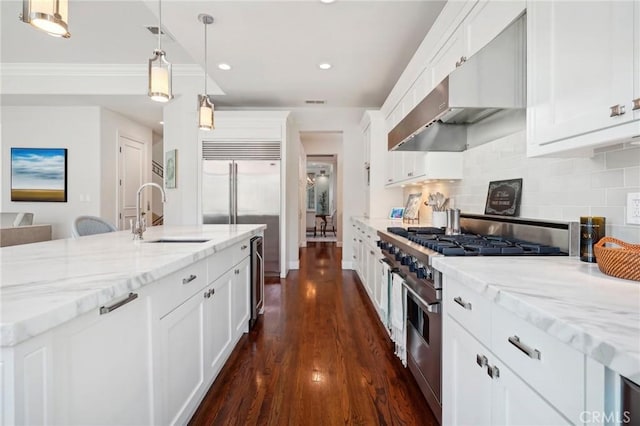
pixel 178 240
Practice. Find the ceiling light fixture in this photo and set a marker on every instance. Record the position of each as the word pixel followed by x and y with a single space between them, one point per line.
pixel 224 67
pixel 205 107
pixel 159 69
pixel 324 66
pixel 50 16
pixel 327 1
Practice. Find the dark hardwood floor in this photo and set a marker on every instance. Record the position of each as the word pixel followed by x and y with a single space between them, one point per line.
pixel 318 356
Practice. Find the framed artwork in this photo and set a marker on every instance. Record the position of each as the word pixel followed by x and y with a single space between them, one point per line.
pixel 396 213
pixel 412 208
pixel 170 168
pixel 503 197
pixel 39 174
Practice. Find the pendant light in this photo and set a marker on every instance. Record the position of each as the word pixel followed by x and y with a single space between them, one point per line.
pixel 159 69
pixel 50 16
pixel 205 107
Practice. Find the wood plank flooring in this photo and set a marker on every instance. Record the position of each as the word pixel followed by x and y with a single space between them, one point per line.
pixel 318 356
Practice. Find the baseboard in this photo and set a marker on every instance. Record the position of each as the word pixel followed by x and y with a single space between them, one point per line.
pixel 347 264
pixel 338 243
pixel 303 243
pixel 294 264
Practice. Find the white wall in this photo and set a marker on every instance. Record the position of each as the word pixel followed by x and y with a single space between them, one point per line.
pixel 112 126
pixel 347 121
pixel 75 128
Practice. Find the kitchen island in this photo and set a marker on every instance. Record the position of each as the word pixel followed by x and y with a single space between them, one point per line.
pixel 107 330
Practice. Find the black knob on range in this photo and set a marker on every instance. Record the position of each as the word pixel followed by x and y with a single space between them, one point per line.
pixel 399 255
pixel 406 260
pixel 422 273
pixel 413 266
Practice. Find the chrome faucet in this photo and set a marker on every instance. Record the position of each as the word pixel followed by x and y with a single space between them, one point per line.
pixel 140 226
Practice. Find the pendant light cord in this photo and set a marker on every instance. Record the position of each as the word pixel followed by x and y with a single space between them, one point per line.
pixel 159 24
pixel 205 57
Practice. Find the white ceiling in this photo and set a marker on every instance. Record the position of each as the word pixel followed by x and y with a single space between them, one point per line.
pixel 273 46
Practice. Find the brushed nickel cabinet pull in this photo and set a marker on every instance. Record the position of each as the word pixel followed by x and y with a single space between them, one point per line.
pixel 636 104
pixel 462 60
pixel 244 247
pixel 617 110
pixel 530 352
pixel 493 372
pixel 481 360
pixel 107 309
pixel 189 279
pixel 459 301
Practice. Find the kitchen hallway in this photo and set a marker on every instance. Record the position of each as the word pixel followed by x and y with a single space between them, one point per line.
pixel 318 356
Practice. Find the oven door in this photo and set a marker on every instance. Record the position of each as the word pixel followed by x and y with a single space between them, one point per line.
pixel 424 345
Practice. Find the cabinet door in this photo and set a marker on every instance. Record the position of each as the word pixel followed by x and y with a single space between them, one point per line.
pixel 102 362
pixel 487 19
pixel 636 59
pixel 240 299
pixel 579 63
pixel 445 60
pixel 466 397
pixel 217 323
pixel 181 352
pixel 514 403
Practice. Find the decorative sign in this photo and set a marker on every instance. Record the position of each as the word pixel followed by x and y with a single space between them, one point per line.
pixel 503 198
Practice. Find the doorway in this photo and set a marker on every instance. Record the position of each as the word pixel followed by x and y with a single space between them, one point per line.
pixel 131 174
pixel 320 198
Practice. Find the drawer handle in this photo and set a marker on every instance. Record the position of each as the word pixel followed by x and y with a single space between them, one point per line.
pixel 208 294
pixel 107 309
pixel 244 247
pixel 372 253
pixel 531 353
pixel 459 301
pixel 636 104
pixel 189 279
pixel 493 372
pixel 617 110
pixel 481 360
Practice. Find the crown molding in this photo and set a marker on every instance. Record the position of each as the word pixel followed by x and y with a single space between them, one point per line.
pixel 89 70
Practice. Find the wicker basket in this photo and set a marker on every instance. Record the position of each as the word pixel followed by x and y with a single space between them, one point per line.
pixel 621 262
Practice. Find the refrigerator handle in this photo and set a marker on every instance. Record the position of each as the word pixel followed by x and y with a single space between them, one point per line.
pixel 235 192
pixel 231 192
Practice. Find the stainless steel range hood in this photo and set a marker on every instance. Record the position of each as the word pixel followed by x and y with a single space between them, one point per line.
pixel 492 80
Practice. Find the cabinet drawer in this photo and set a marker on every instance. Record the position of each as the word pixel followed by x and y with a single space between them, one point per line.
pixel 549 366
pixel 222 261
pixel 180 285
pixel 469 308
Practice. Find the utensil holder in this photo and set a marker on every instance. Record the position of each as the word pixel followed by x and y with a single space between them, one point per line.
pixel 438 219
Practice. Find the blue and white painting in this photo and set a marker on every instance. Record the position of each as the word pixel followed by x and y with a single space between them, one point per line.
pixel 39 174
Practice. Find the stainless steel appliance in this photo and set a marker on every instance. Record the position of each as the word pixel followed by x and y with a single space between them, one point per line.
pixel 241 185
pixel 630 403
pixel 492 80
pixel 257 279
pixel 409 252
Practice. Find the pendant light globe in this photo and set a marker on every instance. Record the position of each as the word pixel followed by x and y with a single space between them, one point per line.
pixel 50 16
pixel 160 75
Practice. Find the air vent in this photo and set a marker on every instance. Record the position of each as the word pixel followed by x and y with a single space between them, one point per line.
pixel 315 102
pixel 153 29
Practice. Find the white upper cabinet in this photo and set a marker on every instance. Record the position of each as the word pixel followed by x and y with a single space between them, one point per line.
pixel 582 65
pixel 407 167
pixel 488 19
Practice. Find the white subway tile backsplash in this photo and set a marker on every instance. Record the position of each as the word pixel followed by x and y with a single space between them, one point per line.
pixel 608 179
pixel 623 158
pixel 632 176
pixel 618 196
pixel 553 188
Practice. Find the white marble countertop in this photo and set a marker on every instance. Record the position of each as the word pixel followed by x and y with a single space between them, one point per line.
pixel 384 223
pixel 46 284
pixel 571 300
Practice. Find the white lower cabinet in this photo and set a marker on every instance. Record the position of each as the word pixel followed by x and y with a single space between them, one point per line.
pixel 481 390
pixel 147 358
pixel 181 349
pixel 101 362
pixel 499 369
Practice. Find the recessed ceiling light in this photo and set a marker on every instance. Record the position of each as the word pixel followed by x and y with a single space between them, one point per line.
pixel 161 122
pixel 324 66
pixel 327 1
pixel 224 67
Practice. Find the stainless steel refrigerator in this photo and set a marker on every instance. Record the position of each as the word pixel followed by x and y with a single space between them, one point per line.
pixel 245 192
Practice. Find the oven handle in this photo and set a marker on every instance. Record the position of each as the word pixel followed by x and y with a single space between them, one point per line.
pixel 433 308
